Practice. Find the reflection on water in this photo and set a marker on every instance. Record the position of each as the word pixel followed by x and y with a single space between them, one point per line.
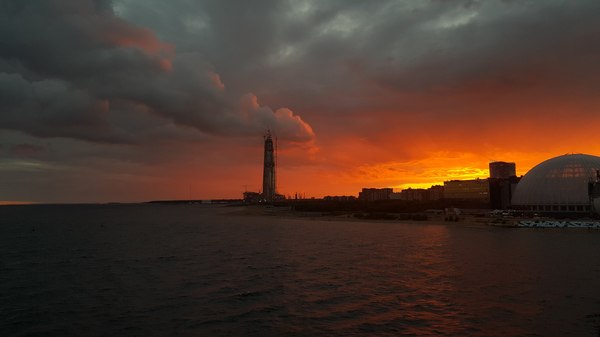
pixel 189 270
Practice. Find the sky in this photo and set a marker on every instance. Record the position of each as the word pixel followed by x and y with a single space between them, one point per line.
pixel 136 100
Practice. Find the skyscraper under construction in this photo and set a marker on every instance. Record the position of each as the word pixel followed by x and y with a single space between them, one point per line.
pixel 269 179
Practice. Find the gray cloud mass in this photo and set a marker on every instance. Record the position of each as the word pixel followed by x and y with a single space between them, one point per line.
pixel 116 88
pixel 67 66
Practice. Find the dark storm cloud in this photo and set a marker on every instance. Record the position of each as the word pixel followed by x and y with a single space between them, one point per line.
pixel 515 44
pixel 26 150
pixel 74 68
pixel 52 108
pixel 335 57
pixel 68 67
pixel 122 89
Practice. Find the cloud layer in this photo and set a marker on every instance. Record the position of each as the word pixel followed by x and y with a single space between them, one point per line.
pixel 72 68
pixel 152 95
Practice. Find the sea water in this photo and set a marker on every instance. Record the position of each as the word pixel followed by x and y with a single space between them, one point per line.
pixel 194 270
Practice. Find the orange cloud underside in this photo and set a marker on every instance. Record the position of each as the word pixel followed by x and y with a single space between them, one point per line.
pixel 396 148
pixel 415 153
pixel 423 155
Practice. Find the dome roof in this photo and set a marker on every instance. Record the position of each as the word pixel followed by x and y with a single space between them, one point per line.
pixel 562 180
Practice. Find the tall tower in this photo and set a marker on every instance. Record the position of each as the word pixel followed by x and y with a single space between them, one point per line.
pixel 269 188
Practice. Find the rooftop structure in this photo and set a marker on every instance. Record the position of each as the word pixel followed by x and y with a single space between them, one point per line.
pixel 502 170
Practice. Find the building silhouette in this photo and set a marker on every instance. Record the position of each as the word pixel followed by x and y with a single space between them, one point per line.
pixel 562 185
pixel 503 181
pixel 475 189
pixel 502 170
pixel 269 191
pixel 433 193
pixel 375 194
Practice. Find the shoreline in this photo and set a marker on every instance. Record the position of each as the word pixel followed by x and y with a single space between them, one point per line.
pixel 288 213
pixel 467 220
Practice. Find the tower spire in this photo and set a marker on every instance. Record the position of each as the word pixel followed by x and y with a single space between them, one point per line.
pixel 269 189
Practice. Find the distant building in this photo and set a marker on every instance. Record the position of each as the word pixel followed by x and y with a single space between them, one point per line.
pixel 414 194
pixel 477 189
pixel 374 194
pixel 502 170
pixel 436 192
pixel 269 186
pixel 252 197
pixel 561 185
pixel 339 198
pixel 594 193
pixel 269 192
pixel 502 181
pixel 501 191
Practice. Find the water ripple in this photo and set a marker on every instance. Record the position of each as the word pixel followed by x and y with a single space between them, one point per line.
pixel 154 270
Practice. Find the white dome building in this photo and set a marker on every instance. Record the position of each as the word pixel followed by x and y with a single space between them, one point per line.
pixel 560 184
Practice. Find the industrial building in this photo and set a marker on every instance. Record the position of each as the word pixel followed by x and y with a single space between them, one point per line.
pixel 564 184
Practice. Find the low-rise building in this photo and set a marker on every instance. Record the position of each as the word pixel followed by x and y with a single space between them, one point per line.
pixel 339 198
pixel 374 194
pixel 252 197
pixel 436 192
pixel 414 194
pixel 476 189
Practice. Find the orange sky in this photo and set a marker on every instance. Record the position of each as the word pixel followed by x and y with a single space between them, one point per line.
pixel 120 101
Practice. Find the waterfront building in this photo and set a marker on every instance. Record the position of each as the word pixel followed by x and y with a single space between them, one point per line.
pixel 501 191
pixel 269 186
pixel 339 198
pixel 436 192
pixel 252 197
pixel 374 194
pixel 563 184
pixel 594 192
pixel 503 181
pixel 414 194
pixel 476 189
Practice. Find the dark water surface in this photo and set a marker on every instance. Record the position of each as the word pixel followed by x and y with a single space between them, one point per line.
pixel 191 270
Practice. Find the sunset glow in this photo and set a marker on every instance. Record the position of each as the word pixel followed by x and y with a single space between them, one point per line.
pixel 122 101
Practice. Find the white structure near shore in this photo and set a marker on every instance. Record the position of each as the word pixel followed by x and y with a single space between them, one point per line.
pixel 563 184
pixel 558 224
